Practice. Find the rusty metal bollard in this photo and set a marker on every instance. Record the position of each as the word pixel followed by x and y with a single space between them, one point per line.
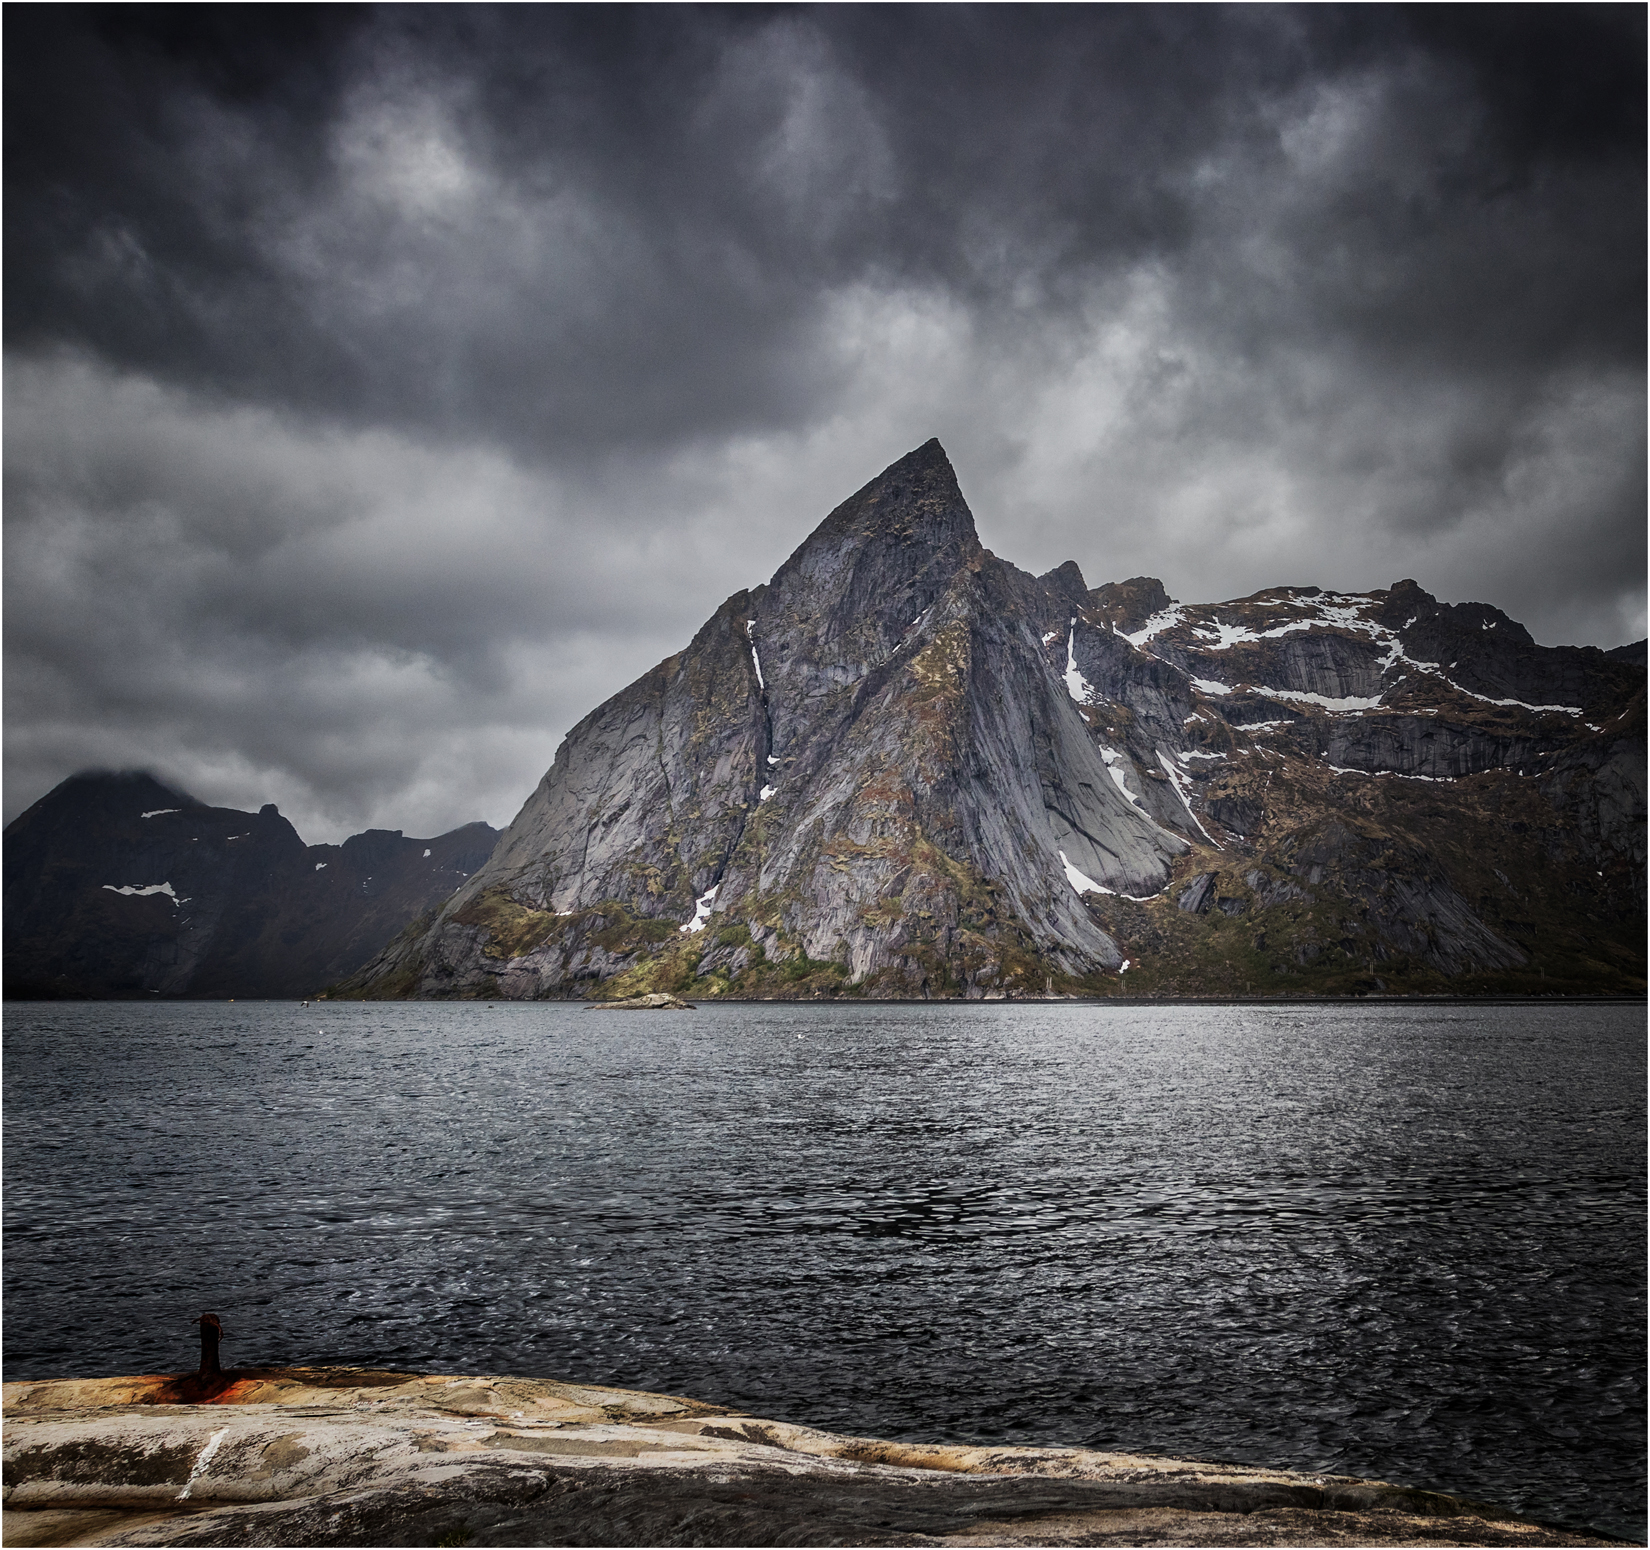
pixel 211 1334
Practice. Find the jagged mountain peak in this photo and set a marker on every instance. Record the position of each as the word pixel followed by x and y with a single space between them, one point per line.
pixel 853 592
pixel 868 759
pixel 905 767
pixel 1066 582
pixel 117 884
pixel 1127 605
pixel 915 502
pixel 920 483
pixel 138 789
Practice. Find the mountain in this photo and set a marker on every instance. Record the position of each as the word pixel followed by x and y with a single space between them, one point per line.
pixel 117 885
pixel 904 767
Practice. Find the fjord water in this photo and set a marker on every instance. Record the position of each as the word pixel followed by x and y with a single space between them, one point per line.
pixel 1398 1241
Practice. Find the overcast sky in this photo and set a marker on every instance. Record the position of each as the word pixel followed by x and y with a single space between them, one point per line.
pixel 387 387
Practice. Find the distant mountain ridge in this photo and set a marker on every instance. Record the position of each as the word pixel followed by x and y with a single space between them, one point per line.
pixel 118 885
pixel 903 767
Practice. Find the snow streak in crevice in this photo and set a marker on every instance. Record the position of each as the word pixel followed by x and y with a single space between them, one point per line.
pixel 1119 778
pixel 1177 780
pixel 1437 780
pixel 1077 686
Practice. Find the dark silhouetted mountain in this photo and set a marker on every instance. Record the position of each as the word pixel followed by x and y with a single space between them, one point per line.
pixel 116 885
pixel 904 767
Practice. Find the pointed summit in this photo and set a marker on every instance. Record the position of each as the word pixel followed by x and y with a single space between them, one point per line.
pixel 924 472
pixel 857 585
pixel 915 501
pixel 867 762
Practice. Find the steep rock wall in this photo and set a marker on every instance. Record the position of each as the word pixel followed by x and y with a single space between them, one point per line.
pixel 904 767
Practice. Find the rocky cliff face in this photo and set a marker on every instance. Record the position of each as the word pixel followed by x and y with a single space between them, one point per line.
pixel 116 885
pixel 905 768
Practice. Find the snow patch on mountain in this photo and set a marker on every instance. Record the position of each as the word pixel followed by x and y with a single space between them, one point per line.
pixel 1164 619
pixel 134 890
pixel 1081 881
pixel 1348 703
pixel 701 909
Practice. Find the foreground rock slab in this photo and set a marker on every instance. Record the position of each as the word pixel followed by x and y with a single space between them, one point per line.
pixel 347 1456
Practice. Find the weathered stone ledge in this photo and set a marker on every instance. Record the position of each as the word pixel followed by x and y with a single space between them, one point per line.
pixel 347 1456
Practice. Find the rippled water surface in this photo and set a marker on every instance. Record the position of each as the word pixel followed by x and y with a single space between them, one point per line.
pixel 1407 1243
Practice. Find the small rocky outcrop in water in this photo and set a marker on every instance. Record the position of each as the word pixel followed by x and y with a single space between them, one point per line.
pixel 904 767
pixel 657 1002
pixel 330 1456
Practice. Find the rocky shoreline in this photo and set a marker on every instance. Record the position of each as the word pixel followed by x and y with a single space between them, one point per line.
pixel 351 1456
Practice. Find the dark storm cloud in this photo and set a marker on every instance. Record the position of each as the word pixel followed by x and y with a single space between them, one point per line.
pixel 431 370
pixel 658 198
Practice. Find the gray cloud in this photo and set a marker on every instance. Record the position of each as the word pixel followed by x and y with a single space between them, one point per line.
pixel 386 386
